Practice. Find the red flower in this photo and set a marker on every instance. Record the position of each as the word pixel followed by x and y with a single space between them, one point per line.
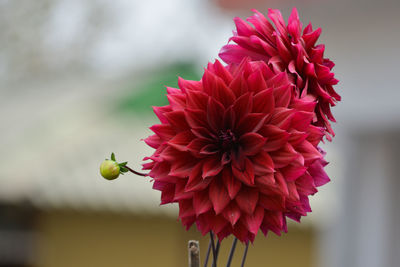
pixel 287 48
pixel 233 154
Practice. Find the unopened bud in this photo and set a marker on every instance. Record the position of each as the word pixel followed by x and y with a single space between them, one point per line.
pixel 110 169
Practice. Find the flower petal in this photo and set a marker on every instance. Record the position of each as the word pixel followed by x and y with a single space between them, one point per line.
pixel 244 174
pixel 263 102
pixel 196 181
pixel 247 199
pixel 251 143
pixel 277 137
pixel 262 163
pixel 215 111
pixel 218 196
pixel 211 167
pixel 254 220
pixel 231 183
pixel 232 213
pixel 201 202
pixel 272 202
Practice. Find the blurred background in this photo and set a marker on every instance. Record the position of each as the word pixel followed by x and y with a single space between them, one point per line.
pixel 77 82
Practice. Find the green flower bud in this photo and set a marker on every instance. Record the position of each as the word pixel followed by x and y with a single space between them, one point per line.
pixel 109 169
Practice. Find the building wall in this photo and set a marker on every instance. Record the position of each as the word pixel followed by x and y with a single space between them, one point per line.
pixel 85 239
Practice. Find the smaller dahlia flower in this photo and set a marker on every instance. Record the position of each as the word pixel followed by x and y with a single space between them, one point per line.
pixel 233 154
pixel 288 47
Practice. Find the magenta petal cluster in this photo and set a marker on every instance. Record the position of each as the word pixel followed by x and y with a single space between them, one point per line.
pixel 238 151
pixel 288 47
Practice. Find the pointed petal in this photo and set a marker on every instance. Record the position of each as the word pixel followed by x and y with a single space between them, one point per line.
pixel 251 123
pixel 273 220
pixel 196 181
pixel 294 24
pixel 251 143
pixel 201 202
pixel 215 110
pixel 209 149
pixel 311 38
pixel 232 213
pixel 265 181
pixel 309 152
pixel 159 111
pixel 181 140
pixel 167 193
pixel 276 137
pixel 245 175
pixel 233 53
pixel 164 131
pixel 282 185
pixel 284 156
pixel 263 102
pixel 182 167
pixel 231 183
pixel 276 17
pixel 196 100
pixel 186 208
pixel 262 163
pixel 218 196
pixel 177 120
pixel 317 171
pixel 256 82
pixel 283 95
pixel 254 220
pixel 222 72
pixel 282 118
pixel 247 199
pixel 243 28
pixel 301 120
pixel 243 105
pixel 177 101
pixel 272 202
pixel 241 232
pixel 293 171
pixel 203 133
pixel 196 118
pixel 153 141
pixel 211 167
pixel 186 85
pixel 180 193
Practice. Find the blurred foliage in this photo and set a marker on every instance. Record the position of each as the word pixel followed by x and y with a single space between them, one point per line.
pixel 151 90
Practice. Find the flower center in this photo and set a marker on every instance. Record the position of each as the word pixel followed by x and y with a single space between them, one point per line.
pixel 227 139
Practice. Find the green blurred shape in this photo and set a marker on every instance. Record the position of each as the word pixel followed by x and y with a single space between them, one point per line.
pixel 151 90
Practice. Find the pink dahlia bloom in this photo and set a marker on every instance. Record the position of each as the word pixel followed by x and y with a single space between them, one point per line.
pixel 233 154
pixel 288 47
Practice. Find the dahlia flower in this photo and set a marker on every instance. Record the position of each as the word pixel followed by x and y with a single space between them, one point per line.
pixel 233 154
pixel 291 48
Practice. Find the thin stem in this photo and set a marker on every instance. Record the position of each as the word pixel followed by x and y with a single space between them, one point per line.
pixel 216 253
pixel 245 254
pixel 228 264
pixel 213 249
pixel 135 172
pixel 217 249
pixel 208 254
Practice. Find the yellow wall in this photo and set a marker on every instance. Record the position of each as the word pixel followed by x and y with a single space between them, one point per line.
pixel 86 239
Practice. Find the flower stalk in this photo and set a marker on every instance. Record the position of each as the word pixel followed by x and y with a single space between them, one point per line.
pixel 215 252
pixel 245 254
pixel 228 264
